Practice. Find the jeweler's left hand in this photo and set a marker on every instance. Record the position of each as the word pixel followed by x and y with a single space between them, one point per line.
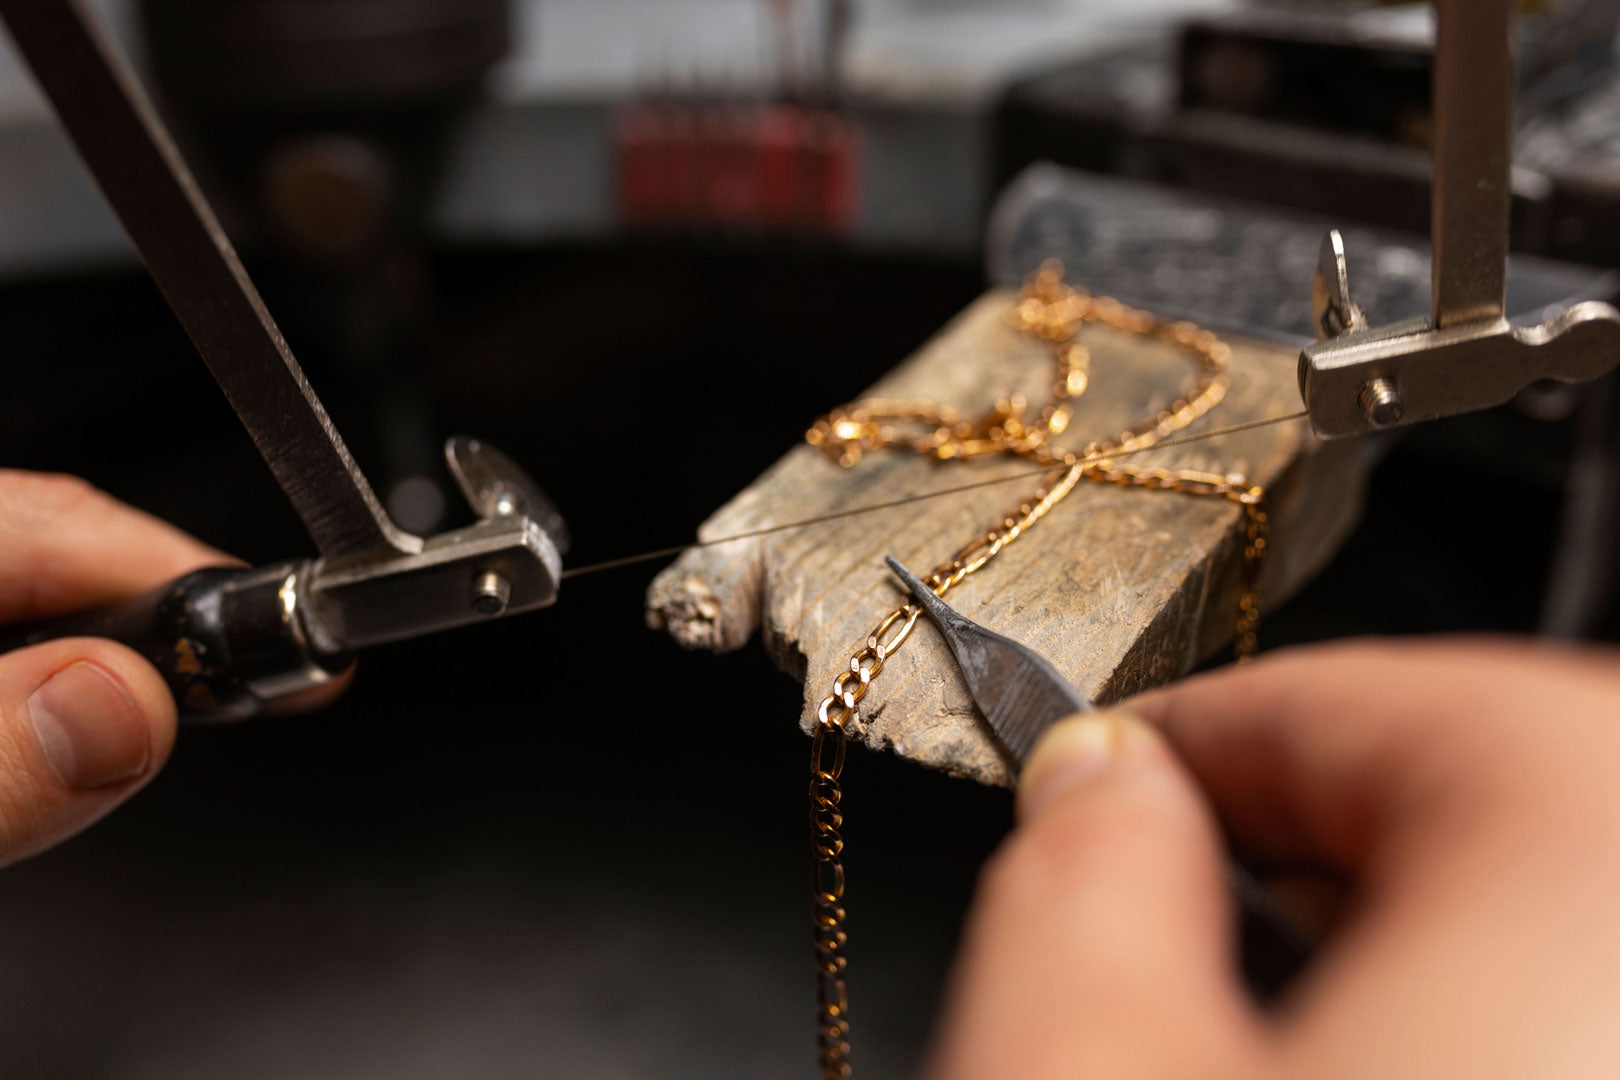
pixel 84 722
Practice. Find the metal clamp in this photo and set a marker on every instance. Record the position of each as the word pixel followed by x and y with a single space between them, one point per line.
pixel 1467 356
pixel 508 561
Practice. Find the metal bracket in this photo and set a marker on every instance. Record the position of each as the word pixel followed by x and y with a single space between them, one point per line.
pixel 1467 356
pixel 510 560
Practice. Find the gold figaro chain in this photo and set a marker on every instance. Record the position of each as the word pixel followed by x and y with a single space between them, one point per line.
pixel 1053 312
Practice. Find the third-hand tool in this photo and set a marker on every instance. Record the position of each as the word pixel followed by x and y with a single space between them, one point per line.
pixel 1021 695
pixel 230 640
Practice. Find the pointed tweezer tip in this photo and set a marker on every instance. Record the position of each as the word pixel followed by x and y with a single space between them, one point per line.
pixel 949 620
pixel 912 582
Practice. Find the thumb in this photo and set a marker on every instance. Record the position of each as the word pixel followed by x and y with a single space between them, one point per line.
pixel 1100 940
pixel 84 723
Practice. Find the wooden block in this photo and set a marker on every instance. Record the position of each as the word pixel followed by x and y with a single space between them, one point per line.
pixel 1121 588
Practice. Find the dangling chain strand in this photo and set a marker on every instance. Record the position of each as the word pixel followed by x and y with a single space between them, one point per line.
pixel 1054 313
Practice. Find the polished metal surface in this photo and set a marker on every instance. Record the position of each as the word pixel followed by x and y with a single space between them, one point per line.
pixel 1473 138
pixel 1333 311
pixel 495 486
pixel 1020 693
pixel 1381 403
pixel 140 172
pixel 276 646
pixel 1467 356
pixel 1442 373
pixel 491 594
pixel 506 562
pixel 375 602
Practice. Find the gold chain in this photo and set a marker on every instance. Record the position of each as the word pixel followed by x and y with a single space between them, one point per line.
pixel 1053 312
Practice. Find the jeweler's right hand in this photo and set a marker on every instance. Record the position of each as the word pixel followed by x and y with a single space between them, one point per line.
pixel 1467 790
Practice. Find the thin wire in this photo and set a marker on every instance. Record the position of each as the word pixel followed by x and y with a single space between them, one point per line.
pixel 663 553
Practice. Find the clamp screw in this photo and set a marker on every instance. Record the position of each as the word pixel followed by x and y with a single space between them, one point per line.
pixel 491 593
pixel 1381 403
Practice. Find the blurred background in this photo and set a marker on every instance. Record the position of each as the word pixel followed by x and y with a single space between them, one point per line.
pixel 640 245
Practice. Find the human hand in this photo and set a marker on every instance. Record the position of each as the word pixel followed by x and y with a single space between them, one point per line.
pixel 1467 790
pixel 84 722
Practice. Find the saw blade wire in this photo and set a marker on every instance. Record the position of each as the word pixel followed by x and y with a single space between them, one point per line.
pixel 872 508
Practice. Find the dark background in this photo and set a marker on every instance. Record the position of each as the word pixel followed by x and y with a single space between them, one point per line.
pixel 557 845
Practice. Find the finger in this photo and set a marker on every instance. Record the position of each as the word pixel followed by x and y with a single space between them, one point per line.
pixel 1321 754
pixel 65 546
pixel 84 723
pixel 1469 785
pixel 1101 925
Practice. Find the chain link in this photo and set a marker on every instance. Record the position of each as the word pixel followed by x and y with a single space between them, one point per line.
pixel 1052 312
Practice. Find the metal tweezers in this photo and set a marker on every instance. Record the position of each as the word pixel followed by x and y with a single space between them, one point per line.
pixel 1022 695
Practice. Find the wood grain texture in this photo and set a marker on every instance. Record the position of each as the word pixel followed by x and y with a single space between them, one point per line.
pixel 1123 589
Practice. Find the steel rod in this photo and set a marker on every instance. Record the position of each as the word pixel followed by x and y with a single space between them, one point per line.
pixel 1473 138
pixel 128 150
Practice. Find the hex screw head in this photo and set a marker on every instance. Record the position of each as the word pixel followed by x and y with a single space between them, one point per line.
pixel 491 593
pixel 1381 403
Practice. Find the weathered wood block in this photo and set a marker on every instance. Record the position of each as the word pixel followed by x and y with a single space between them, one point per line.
pixel 1123 589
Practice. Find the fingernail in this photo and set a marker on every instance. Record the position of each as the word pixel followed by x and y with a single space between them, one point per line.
pixel 88 728
pixel 1072 753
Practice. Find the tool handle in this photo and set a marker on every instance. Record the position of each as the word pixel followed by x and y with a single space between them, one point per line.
pixel 1273 948
pixel 227 640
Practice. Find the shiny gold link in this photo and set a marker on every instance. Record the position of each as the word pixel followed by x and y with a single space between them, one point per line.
pixel 821 769
pixel 1053 312
pixel 866 664
pixel 827 845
